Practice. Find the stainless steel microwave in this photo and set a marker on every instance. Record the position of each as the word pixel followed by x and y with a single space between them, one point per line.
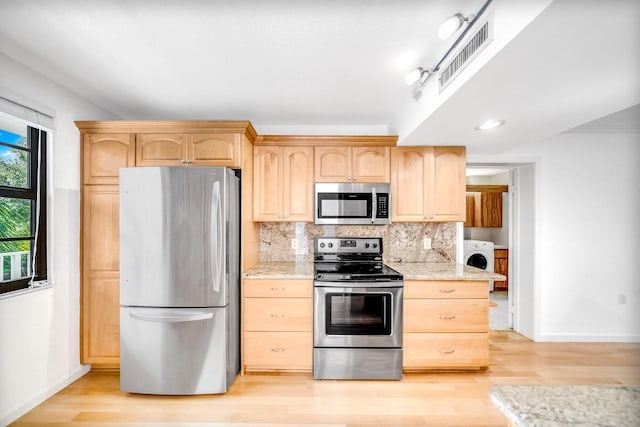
pixel 352 204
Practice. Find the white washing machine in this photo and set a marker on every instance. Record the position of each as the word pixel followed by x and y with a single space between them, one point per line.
pixel 479 254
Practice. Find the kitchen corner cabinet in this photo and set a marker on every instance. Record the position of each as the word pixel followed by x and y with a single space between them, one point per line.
pixel 501 266
pixel 446 325
pixel 352 164
pixel 428 184
pixel 277 333
pixel 191 149
pixel 283 183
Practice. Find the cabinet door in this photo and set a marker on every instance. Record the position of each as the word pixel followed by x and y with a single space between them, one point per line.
pixel 490 209
pixel 332 164
pixel 214 149
pixel 470 220
pixel 428 351
pixel 100 274
pixel 278 314
pixel 267 183
pixel 371 164
pixel 160 150
pixel 104 154
pixel 438 315
pixel 282 351
pixel 297 191
pixel 408 184
pixel 447 186
pixel 501 266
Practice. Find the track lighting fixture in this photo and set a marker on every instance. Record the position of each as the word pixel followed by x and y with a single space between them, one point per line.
pixel 419 76
pixel 451 25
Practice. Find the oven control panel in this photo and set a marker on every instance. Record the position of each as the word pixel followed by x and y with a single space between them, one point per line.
pixel 347 245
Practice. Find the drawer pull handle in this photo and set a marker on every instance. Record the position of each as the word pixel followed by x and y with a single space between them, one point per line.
pixel 277 316
pixel 447 316
pixel 447 351
pixel 277 289
pixel 446 291
pixel 277 350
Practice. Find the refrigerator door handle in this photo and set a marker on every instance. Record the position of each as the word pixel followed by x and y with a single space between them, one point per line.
pixel 171 318
pixel 216 228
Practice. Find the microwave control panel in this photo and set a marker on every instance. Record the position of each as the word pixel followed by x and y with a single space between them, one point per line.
pixel 382 210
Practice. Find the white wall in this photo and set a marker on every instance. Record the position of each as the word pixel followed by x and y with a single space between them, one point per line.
pixel 39 331
pixel 587 236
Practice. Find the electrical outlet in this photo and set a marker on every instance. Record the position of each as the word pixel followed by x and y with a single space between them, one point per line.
pixel 622 298
pixel 294 243
pixel 426 243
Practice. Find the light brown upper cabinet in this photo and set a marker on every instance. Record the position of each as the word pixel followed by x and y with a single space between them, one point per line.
pixel 192 149
pixel 104 154
pixel 428 184
pixel 352 164
pixel 283 183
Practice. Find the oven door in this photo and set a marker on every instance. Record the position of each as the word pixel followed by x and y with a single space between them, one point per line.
pixel 357 316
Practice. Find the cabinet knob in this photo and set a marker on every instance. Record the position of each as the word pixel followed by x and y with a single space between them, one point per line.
pixel 447 316
pixel 446 291
pixel 277 316
pixel 446 350
pixel 286 216
pixel 277 289
pixel 277 350
pixel 349 178
pixel 183 161
pixel 354 178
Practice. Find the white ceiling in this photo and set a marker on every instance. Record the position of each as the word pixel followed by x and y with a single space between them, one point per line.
pixel 338 66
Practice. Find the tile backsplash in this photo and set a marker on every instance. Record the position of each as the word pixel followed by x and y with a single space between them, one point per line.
pixel 402 242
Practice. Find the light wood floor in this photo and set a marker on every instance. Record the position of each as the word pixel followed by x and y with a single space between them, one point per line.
pixel 433 399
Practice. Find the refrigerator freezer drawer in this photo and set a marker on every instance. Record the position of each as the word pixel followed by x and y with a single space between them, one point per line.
pixel 176 351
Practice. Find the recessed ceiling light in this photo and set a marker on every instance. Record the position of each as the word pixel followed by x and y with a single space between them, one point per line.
pixel 490 124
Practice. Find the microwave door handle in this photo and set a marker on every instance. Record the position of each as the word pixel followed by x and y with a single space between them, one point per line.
pixel 374 205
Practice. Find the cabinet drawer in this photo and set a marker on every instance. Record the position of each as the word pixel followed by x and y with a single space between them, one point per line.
pixel 428 351
pixel 278 314
pixel 446 289
pixel 278 350
pixel 278 288
pixel 422 315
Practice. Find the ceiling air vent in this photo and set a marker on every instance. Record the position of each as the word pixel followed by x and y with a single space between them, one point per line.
pixel 465 55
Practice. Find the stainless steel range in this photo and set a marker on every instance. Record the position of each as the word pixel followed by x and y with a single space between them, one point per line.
pixel 357 311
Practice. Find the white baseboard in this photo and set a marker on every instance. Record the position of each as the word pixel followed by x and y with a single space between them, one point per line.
pixel 44 395
pixel 630 338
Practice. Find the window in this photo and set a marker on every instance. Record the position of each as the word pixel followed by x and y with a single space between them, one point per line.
pixel 23 230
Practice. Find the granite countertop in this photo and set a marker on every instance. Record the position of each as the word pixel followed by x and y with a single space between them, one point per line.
pixel 280 270
pixel 442 271
pixel 410 270
pixel 572 405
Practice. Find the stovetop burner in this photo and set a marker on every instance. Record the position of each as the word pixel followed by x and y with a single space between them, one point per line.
pixel 356 259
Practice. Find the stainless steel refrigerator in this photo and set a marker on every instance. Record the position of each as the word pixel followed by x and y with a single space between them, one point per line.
pixel 179 280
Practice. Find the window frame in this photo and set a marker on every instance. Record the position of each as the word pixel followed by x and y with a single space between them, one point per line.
pixel 37 147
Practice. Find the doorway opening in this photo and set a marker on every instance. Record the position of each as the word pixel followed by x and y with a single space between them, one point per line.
pixel 511 240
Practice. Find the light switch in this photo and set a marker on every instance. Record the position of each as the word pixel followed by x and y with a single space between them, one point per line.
pixel 294 243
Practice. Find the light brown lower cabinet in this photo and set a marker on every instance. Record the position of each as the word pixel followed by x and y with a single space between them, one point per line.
pixel 277 325
pixel 446 325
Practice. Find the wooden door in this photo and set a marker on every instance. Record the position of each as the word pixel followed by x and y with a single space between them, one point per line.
pixel 297 190
pixel 214 149
pixel 332 164
pixel 371 164
pixel 408 184
pixel 100 274
pixel 447 187
pixel 267 183
pixel 160 150
pixel 104 154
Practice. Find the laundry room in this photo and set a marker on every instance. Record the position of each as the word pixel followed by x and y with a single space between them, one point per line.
pixel 486 235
